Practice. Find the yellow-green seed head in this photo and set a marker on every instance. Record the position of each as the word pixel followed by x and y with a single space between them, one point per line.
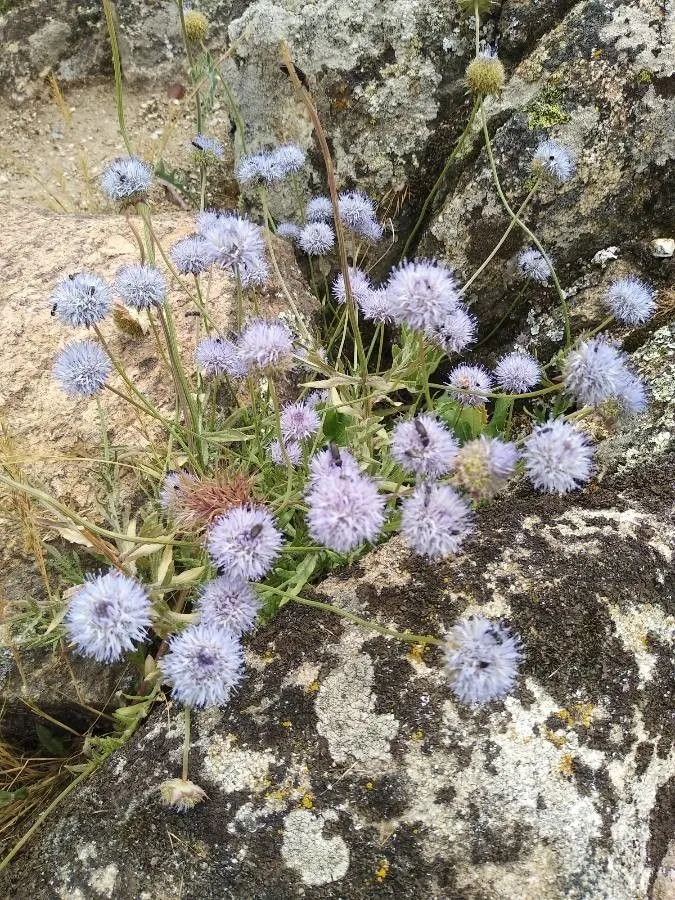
pixel 468 6
pixel 485 75
pixel 196 25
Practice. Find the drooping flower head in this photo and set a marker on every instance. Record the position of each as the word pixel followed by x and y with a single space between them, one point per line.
pixel 435 520
pixel 244 542
pixel 228 602
pixel 126 179
pixel 141 286
pixel 107 616
pixel 558 457
pixel 455 333
pixel 423 295
pixel 319 209
pixel 554 161
pixel 266 345
pixel 203 665
pixel 299 421
pixel 481 659
pixel 83 368
pixel 630 300
pixel 532 264
pixel 208 149
pixel 192 255
pixel 360 286
pixel 289 230
pixel 219 356
pixel 239 247
pixel 517 372
pixel 484 465
pixel 181 795
pixel 293 453
pixel 594 371
pixel 424 446
pixel 316 238
pixel 81 299
pixel 468 385
pixel 345 510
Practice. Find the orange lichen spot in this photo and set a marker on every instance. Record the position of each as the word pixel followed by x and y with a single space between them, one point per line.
pixel 566 765
pixel 579 714
pixel 383 871
pixel 558 740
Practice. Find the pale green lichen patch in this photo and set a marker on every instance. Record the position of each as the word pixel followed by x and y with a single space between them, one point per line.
pixel 317 859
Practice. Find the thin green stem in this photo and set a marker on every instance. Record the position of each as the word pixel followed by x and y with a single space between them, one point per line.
pixel 117 69
pixel 186 743
pixel 476 17
pixel 601 326
pixel 550 389
pixel 193 77
pixel 202 192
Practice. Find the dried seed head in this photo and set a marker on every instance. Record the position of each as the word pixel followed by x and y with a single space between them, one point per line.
pixel 485 75
pixel 181 795
pixel 196 25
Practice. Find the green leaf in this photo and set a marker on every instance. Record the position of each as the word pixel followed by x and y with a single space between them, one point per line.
pixel 500 418
pixel 228 436
pixel 7 797
pixel 335 426
pixel 49 741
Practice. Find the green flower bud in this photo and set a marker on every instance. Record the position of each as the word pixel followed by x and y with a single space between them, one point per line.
pixel 196 25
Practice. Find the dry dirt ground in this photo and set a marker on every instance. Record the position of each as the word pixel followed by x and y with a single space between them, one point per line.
pixel 54 148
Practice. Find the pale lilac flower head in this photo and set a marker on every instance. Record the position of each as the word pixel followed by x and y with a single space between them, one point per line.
pixel 289 230
pixel 630 300
pixel 208 146
pixel 375 306
pixel 464 380
pixel 435 520
pixel 219 356
pixel 594 371
pixel 484 465
pixel 424 446
pixel 316 238
pixel 344 512
pixel 357 213
pixel 531 264
pixel 266 345
pixel 228 602
pixel 192 255
pixel 141 286
pixel 244 542
pixel 126 178
pixel 203 665
pixel 558 457
pixel 169 495
pixel 333 461
pixel 372 231
pixel 517 372
pixel 319 209
pixel 81 299
pixel 299 421
pixel 289 158
pixel 237 245
pixel 422 295
pixel 482 659
pixel 293 453
pixel 107 616
pixel 360 286
pixel 455 333
pixel 632 395
pixel 83 368
pixel 258 167
pixel 554 161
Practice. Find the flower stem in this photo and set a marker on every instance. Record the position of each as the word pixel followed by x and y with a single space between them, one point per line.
pixel 191 66
pixel 117 68
pixel 186 743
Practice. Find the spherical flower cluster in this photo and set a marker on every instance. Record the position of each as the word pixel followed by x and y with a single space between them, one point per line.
pixel 271 166
pixel 424 446
pixel 435 520
pixel 265 345
pixel 422 295
pixel 316 238
pixel 208 148
pixel 554 161
pixel 464 380
pixel 357 213
pixel 203 665
pixel 485 74
pixel 299 421
pixel 244 542
pixel 517 372
pixel 141 286
pixel 360 287
pixel 293 452
pixel 319 209
pixel 484 465
pixel 345 509
pixel 481 659
pixel 219 356
pixel 171 490
pixel 375 306
pixel 558 457
pixel 633 397
pixel 81 299
pixel 237 245
pixel 228 602
pixel 192 255
pixel 83 368
pixel 531 264
pixel 455 333
pixel 126 179
pixel 595 371
pixel 328 463
pixel 630 300
pixel 107 616
pixel 196 25
pixel 289 230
